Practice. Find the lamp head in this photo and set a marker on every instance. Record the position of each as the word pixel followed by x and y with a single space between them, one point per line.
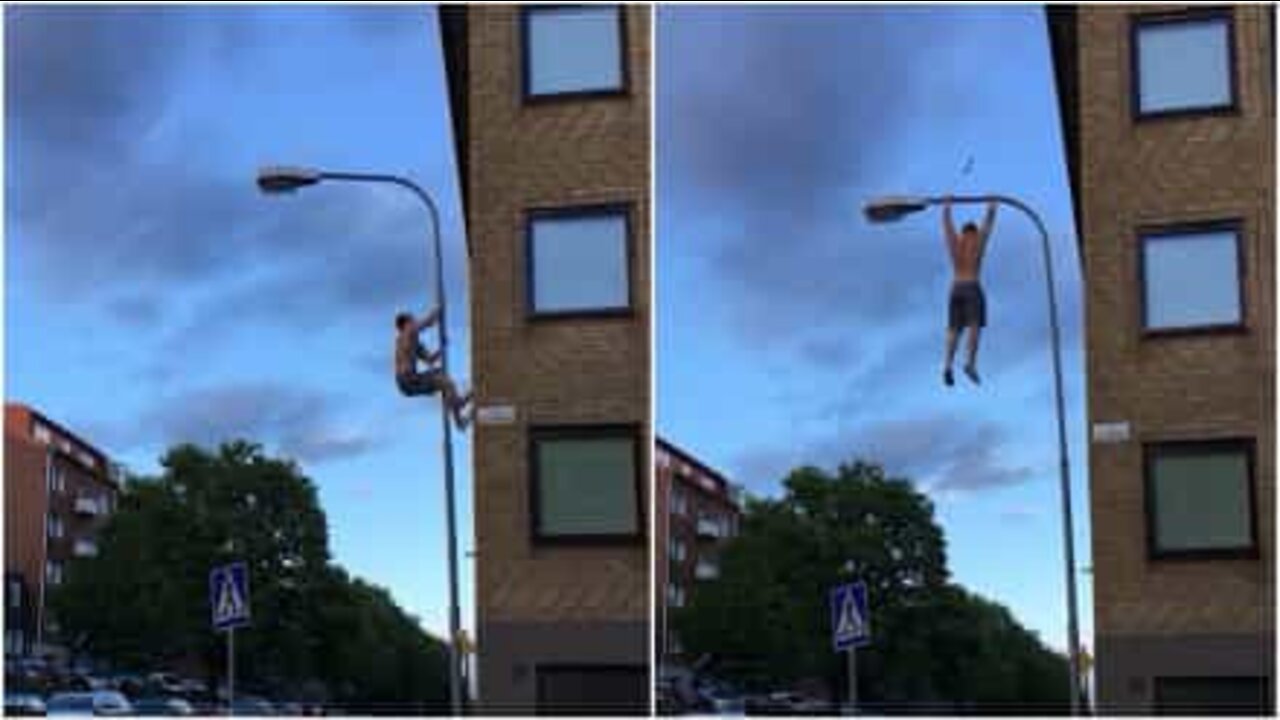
pixel 891 208
pixel 276 180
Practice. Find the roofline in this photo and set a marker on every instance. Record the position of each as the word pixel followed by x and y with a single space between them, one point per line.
pixel 101 454
pixel 685 456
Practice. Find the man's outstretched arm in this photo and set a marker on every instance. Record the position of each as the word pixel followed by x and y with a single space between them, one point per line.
pixel 427 320
pixel 988 221
pixel 948 225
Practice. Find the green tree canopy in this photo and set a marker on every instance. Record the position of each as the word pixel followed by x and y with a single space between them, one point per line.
pixel 142 603
pixel 765 621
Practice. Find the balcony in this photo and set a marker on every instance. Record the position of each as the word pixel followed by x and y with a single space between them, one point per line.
pixel 85 548
pixel 706 570
pixel 710 528
pixel 87 506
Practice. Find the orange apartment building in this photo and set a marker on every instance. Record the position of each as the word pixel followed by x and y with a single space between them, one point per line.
pixel 697 510
pixel 1168 116
pixel 58 492
pixel 551 121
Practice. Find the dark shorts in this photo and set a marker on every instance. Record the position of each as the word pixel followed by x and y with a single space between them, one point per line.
pixel 419 383
pixel 968 307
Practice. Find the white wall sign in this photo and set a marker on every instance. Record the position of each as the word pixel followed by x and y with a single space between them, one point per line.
pixel 496 415
pixel 1111 432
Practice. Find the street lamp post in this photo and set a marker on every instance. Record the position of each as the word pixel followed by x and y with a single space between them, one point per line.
pixel 276 180
pixel 888 209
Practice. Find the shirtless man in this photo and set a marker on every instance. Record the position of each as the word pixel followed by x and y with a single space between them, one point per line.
pixel 409 351
pixel 968 306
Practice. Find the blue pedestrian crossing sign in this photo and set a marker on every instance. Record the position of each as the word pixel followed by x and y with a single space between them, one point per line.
pixel 229 596
pixel 850 622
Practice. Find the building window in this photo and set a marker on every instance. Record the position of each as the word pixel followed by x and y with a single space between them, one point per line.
pixel 678 550
pixel 1183 63
pixel 579 261
pixel 679 503
pixel 41 433
pixel 53 572
pixel 592 689
pixel 57 479
pixel 1191 277
pixel 1200 499
pixel 1213 696
pixel 586 483
pixel 56 529
pixel 573 51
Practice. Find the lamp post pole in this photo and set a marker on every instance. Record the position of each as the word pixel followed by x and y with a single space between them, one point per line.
pixel 892 209
pixel 288 179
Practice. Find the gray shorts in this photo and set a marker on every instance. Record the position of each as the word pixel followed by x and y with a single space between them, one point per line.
pixel 419 383
pixel 968 306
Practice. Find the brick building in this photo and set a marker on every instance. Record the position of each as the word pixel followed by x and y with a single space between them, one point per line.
pixel 1169 123
pixel 58 490
pixel 551 120
pixel 696 510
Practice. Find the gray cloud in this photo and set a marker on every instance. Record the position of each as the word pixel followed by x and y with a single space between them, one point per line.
pixel 302 423
pixel 942 452
pixel 87 89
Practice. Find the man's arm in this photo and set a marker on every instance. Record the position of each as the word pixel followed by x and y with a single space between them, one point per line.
pixel 988 222
pixel 427 321
pixel 949 225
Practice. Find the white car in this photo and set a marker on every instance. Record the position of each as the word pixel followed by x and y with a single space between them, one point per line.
pixel 97 702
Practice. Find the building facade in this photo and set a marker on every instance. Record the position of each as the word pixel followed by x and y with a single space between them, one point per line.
pixel 697 511
pixel 1169 124
pixel 551 119
pixel 58 492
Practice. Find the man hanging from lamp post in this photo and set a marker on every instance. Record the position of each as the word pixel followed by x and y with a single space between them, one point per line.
pixel 967 308
pixel 410 380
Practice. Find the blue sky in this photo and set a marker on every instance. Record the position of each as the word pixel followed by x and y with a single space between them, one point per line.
pixel 152 295
pixel 825 332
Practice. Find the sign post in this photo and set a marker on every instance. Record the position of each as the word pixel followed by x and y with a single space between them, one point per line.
pixel 850 629
pixel 229 601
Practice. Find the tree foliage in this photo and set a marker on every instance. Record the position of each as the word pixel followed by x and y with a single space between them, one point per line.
pixel 765 620
pixel 142 603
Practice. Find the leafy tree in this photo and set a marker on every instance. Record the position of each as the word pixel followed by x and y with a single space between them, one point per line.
pixel 142 603
pixel 765 620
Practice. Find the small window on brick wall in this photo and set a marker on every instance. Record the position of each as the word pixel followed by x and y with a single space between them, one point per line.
pixel 1191 277
pixel 585 483
pixel 1183 63
pixel 1200 499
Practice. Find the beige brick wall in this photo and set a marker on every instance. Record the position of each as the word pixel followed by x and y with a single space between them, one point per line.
pixel 1193 387
pixel 553 371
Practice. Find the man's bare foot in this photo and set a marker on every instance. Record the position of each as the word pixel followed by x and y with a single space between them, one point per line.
pixel 948 378
pixel 972 372
pixel 462 411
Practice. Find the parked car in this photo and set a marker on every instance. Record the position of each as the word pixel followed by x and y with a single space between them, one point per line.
pixel 96 702
pixel 23 704
pixel 251 705
pixel 165 706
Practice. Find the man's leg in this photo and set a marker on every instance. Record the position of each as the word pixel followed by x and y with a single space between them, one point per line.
pixel 953 337
pixel 971 366
pixel 457 405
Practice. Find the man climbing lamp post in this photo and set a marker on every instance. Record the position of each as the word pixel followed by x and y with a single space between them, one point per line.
pixel 278 180
pixel 889 209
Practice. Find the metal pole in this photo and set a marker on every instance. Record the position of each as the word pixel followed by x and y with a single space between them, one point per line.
pixel 853 680
pixel 455 620
pixel 1068 541
pixel 231 670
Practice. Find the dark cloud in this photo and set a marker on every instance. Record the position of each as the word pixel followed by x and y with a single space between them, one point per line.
pixel 299 422
pixel 88 87
pixel 943 452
